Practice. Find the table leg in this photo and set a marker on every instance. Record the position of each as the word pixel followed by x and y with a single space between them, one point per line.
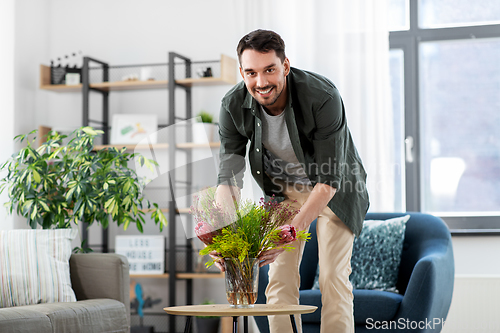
pixel 245 324
pixel 187 328
pixel 294 326
pixel 235 324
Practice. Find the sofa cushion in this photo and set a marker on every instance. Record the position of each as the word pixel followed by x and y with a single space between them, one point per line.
pixel 34 266
pixel 24 319
pixel 90 316
pixel 375 304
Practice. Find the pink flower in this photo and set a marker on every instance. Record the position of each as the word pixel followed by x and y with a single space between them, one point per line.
pixel 287 234
pixel 205 232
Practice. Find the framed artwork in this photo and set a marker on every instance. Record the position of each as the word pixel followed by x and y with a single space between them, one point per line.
pixel 134 128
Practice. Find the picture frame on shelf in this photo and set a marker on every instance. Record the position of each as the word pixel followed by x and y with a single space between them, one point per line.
pixel 145 254
pixel 133 128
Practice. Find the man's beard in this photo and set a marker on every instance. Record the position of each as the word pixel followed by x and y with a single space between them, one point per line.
pixel 266 102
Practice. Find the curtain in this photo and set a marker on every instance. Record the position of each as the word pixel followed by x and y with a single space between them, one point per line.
pixel 348 42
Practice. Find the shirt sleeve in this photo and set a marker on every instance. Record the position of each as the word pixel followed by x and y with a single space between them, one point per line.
pixel 329 141
pixel 232 151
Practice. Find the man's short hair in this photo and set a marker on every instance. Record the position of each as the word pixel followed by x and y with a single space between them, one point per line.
pixel 262 41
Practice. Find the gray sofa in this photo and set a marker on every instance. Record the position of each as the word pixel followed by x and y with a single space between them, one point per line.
pixel 101 285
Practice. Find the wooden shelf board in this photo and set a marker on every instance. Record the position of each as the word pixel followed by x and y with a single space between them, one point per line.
pixel 133 147
pixel 61 87
pixel 130 85
pixel 200 275
pixel 136 85
pixel 155 276
pixel 179 276
pixel 184 145
pixel 204 81
pixel 188 145
pixel 166 210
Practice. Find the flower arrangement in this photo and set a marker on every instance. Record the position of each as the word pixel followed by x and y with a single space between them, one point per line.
pixel 241 236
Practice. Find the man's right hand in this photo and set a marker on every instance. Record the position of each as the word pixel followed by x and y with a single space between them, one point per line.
pixel 219 263
pixel 226 195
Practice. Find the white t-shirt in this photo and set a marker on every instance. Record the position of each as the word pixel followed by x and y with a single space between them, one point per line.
pixel 280 160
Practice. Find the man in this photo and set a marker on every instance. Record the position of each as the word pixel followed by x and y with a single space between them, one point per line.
pixel 301 150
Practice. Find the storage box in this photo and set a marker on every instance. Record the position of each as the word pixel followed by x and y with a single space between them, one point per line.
pixel 58 74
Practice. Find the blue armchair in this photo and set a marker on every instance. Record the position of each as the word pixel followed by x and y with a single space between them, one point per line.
pixel 425 282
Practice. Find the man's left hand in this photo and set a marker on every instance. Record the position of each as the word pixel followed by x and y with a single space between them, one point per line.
pixel 270 256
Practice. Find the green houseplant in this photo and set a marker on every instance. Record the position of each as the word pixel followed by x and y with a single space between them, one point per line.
pixel 204 128
pixel 205 117
pixel 56 185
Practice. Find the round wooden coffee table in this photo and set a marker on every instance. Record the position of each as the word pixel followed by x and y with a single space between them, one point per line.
pixel 225 310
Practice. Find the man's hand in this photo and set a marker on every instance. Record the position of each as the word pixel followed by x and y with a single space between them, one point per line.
pixel 269 256
pixel 315 203
pixel 219 263
pixel 226 195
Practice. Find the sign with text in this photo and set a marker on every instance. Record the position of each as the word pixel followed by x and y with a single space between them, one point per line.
pixel 145 254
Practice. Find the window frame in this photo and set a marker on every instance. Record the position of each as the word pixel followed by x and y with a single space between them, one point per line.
pixel 409 41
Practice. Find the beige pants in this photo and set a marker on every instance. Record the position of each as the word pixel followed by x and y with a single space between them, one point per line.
pixel 335 241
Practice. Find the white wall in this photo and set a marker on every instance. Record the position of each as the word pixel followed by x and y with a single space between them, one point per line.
pixel 31 48
pixel 477 255
pixel 7 28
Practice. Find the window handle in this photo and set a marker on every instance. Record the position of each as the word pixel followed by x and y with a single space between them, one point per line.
pixel 409 149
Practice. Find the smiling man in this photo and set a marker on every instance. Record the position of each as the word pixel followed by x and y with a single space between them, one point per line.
pixel 300 150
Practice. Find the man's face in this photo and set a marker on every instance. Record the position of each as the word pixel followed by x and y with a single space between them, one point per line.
pixel 265 77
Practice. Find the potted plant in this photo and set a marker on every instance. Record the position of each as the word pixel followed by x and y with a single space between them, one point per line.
pixel 204 128
pixel 56 185
pixel 207 324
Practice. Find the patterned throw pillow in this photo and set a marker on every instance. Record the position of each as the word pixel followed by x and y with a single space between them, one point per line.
pixel 34 266
pixel 376 255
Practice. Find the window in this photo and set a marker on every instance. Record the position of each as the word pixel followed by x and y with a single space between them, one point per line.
pixel 445 75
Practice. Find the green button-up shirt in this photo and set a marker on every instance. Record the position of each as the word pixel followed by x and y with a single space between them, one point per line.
pixel 316 121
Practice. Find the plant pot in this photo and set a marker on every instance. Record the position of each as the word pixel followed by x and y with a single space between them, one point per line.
pixel 142 329
pixel 207 325
pixel 242 281
pixel 204 132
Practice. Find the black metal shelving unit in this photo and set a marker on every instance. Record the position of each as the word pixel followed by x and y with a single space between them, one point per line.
pixel 172 211
pixel 172 85
pixel 104 124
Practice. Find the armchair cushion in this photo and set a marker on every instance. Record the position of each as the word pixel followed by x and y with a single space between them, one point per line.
pixel 34 266
pixel 375 304
pixel 376 255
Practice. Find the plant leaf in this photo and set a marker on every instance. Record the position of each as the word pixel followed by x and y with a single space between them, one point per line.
pixel 139 226
pixel 69 194
pixel 89 130
pixel 36 176
pixel 33 213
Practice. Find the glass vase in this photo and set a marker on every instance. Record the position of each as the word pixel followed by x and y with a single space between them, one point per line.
pixel 242 281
